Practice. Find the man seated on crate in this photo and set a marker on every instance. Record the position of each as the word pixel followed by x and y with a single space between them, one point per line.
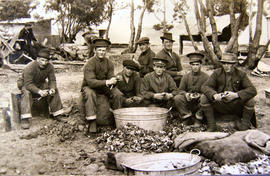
pixel 129 84
pixel 98 91
pixel 229 91
pixel 188 99
pixel 158 87
pixel 38 82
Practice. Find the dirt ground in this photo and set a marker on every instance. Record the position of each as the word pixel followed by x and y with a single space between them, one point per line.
pixel 45 149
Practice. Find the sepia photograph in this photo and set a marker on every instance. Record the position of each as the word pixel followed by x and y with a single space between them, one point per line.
pixel 134 87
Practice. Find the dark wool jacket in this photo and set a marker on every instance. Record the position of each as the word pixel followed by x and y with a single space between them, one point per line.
pixel 95 73
pixel 130 88
pixel 192 83
pixel 146 62
pixel 34 77
pixel 151 85
pixel 174 63
pixel 27 35
pixel 240 83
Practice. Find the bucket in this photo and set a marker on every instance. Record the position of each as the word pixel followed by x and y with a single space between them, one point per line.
pixel 267 96
pixel 148 118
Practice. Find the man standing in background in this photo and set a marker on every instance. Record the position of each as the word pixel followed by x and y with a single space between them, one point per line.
pixel 28 45
pixel 174 67
pixel 146 57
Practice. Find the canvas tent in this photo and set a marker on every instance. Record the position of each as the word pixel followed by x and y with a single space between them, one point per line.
pixel 244 35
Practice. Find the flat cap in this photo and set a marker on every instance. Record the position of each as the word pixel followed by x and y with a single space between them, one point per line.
pixel 131 65
pixel 196 56
pixel 101 42
pixel 143 40
pixel 44 53
pixel 229 58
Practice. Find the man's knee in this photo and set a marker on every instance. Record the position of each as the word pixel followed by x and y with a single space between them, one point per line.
pixel 88 93
pixel 26 93
pixel 204 101
pixel 116 93
pixel 180 99
pixel 250 103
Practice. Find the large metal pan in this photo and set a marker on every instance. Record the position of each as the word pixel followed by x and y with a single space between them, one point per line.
pixel 148 118
pixel 164 164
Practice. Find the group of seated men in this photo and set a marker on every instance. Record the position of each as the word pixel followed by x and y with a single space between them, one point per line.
pixel 155 80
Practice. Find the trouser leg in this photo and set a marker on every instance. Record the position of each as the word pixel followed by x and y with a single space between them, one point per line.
pixel 26 104
pixel 81 107
pixel 149 103
pixel 55 103
pixel 90 99
pixel 181 105
pixel 117 98
pixel 247 114
pixel 208 111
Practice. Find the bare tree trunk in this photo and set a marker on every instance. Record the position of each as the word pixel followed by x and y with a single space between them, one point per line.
pixel 62 36
pixel 233 25
pixel 110 19
pixel 203 15
pixel 203 27
pixel 215 42
pixel 207 46
pixel 234 36
pixel 164 17
pixel 189 33
pixel 252 60
pixel 250 22
pixel 139 29
pixel 262 51
pixel 132 28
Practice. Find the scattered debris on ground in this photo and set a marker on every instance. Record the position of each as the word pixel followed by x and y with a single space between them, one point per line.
pixel 259 166
pixel 131 138
pixel 64 131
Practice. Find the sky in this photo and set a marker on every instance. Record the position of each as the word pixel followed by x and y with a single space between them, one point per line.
pixel 121 22
pixel 120 26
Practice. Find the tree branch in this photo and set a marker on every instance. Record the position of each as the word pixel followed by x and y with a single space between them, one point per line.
pixel 214 29
pixel 234 37
pixel 207 47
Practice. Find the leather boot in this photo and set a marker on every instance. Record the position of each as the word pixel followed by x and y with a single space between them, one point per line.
pixel 197 123
pixel 209 114
pixel 186 119
pixel 245 121
pixel 25 124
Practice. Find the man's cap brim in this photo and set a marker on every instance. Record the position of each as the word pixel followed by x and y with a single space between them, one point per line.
pixel 162 38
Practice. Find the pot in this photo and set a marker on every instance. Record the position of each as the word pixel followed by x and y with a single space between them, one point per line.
pixel 162 164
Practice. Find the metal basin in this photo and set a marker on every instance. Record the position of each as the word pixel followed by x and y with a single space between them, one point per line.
pixel 148 118
pixel 164 164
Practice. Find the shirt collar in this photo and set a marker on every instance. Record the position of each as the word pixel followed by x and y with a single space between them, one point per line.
pixel 196 73
pixel 146 51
